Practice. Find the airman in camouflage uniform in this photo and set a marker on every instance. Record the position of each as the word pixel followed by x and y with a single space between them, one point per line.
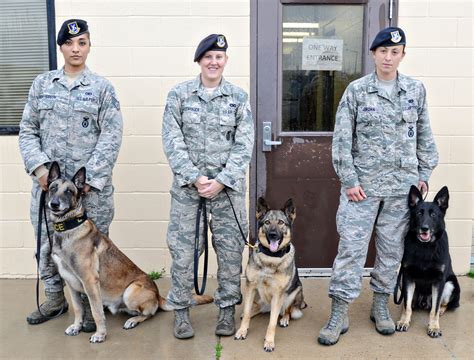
pixel 208 137
pixel 382 145
pixel 76 123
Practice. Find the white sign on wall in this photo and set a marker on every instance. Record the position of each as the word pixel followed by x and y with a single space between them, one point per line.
pixel 322 54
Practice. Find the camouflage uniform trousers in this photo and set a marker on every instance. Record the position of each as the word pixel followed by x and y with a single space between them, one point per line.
pixel 226 240
pixel 355 222
pixel 100 209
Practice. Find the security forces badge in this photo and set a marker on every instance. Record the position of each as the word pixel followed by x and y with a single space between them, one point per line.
pixel 220 41
pixel 73 28
pixel 395 36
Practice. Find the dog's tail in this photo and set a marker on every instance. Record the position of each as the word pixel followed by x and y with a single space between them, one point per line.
pixel 202 299
pixel 197 299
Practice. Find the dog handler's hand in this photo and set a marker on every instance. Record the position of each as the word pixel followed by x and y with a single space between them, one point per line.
pixel 86 188
pixel 210 189
pixel 422 187
pixel 43 182
pixel 356 194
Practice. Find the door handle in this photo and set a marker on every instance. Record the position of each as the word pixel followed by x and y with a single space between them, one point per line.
pixel 271 142
pixel 267 137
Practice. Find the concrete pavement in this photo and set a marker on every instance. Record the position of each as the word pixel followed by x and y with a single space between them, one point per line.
pixel 153 339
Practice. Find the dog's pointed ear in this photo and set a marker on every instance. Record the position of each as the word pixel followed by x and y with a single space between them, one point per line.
pixel 262 207
pixel 54 172
pixel 442 199
pixel 80 178
pixel 290 210
pixel 414 197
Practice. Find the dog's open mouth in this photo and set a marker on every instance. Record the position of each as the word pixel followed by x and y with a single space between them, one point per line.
pixel 274 244
pixel 424 236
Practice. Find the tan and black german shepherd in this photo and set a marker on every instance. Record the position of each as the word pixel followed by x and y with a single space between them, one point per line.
pixel 90 263
pixel 271 274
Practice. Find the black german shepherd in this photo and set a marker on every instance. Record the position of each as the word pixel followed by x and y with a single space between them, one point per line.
pixel 426 275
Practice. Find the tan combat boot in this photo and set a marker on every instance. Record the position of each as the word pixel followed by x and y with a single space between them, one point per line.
pixel 337 324
pixel 182 325
pixel 380 314
pixel 226 322
pixel 53 305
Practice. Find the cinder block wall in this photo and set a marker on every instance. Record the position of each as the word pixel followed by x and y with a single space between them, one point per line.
pixel 440 53
pixel 145 47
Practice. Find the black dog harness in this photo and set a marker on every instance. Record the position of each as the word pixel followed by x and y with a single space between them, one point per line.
pixel 70 223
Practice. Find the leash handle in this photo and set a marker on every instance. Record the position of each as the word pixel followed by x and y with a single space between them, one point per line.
pixel 201 210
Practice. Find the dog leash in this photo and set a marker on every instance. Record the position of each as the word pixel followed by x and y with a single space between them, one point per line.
pixel 399 300
pixel 201 210
pixel 254 246
pixel 41 213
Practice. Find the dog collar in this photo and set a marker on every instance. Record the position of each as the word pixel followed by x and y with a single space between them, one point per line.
pixel 279 253
pixel 70 224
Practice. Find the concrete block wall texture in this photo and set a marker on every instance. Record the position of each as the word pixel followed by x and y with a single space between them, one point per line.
pixel 440 53
pixel 146 46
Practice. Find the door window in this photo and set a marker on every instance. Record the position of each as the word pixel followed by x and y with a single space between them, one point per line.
pixel 321 53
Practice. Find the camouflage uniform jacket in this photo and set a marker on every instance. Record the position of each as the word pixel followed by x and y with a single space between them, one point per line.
pixel 77 127
pixel 210 135
pixel 384 144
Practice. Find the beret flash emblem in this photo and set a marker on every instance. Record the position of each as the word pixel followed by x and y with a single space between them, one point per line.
pixel 395 36
pixel 220 41
pixel 73 28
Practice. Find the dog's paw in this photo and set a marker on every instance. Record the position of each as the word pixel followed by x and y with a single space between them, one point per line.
pixel 241 334
pixel 97 338
pixel 284 322
pixel 130 324
pixel 73 330
pixel 269 346
pixel 434 332
pixel 402 326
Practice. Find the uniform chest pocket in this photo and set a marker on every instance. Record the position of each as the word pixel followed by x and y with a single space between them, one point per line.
pixel 409 116
pixel 367 123
pixel 227 126
pixel 45 108
pixel 86 117
pixel 191 117
pixel 408 124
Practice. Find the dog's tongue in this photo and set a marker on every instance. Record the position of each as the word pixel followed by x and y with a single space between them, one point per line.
pixel 425 236
pixel 274 246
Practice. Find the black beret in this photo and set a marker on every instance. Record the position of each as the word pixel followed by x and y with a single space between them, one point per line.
pixel 390 36
pixel 71 28
pixel 216 42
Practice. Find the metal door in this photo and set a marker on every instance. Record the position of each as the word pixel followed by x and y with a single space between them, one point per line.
pixel 304 54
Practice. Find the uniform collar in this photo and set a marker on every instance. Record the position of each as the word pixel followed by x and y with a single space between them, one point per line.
pixel 401 83
pixel 60 76
pixel 223 87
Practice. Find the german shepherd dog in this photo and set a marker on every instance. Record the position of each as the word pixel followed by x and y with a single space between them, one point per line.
pixel 90 263
pixel 426 275
pixel 271 274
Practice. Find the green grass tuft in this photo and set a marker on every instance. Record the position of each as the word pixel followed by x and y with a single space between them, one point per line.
pixel 471 273
pixel 218 349
pixel 155 275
